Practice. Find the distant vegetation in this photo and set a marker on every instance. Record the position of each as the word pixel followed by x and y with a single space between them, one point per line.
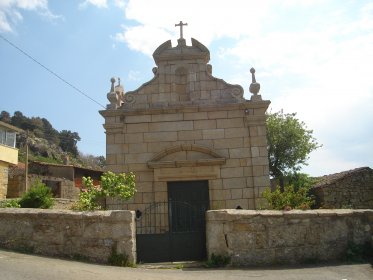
pixel 48 144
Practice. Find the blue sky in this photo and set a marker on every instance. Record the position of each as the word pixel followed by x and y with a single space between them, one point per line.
pixel 313 57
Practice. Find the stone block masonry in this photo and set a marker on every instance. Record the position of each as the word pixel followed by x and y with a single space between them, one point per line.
pixel 90 236
pixel 187 125
pixel 252 238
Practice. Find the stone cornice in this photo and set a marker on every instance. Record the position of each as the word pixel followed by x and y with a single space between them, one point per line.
pixel 185 108
pixel 186 163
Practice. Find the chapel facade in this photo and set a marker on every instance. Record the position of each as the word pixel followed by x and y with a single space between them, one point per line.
pixel 187 126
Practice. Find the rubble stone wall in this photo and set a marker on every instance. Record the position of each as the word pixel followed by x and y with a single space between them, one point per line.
pixel 275 237
pixel 3 179
pixel 16 186
pixel 355 191
pixel 90 236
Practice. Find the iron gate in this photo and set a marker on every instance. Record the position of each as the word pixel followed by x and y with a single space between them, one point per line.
pixel 171 231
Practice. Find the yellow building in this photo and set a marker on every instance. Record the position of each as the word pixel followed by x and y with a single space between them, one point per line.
pixel 8 154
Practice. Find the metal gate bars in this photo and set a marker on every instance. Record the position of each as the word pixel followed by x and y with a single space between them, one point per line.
pixel 171 231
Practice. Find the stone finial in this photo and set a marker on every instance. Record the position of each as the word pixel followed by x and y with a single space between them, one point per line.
pixel 115 95
pixel 112 80
pixel 254 86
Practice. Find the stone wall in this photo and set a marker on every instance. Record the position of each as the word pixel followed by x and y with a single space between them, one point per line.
pixel 16 186
pixel 277 237
pixel 3 179
pixel 63 233
pixel 349 189
pixel 66 188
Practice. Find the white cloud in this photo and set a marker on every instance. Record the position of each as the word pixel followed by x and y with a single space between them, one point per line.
pixel 4 24
pixel 207 20
pixel 11 12
pixel 136 40
pixel 134 75
pixel 312 57
pixel 96 3
pixel 120 3
pixel 324 162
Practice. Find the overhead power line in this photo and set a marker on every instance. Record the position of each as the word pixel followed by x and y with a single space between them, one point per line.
pixel 50 71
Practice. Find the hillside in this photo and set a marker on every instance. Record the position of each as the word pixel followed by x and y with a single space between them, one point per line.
pixel 48 144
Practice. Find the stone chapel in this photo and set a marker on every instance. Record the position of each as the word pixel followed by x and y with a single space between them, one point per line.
pixel 187 127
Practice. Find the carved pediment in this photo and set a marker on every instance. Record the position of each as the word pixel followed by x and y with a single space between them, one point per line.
pixel 186 155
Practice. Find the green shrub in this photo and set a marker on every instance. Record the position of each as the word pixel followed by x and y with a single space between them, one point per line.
pixel 39 196
pixel 11 203
pixel 112 185
pixel 289 199
pixel 300 180
pixel 87 202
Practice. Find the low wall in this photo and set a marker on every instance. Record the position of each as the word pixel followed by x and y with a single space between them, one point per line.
pixel 350 189
pixel 276 237
pixel 83 235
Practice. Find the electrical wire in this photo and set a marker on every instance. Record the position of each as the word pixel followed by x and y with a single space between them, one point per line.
pixel 50 71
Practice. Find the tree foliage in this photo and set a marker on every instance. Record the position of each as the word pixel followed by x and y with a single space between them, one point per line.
pixel 289 198
pixel 68 142
pixel 112 185
pixel 300 180
pixel 38 196
pixel 5 117
pixel 289 144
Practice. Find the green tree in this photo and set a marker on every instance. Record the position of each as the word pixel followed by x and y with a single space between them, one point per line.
pixel 112 185
pixel 5 117
pixel 19 120
pixel 300 180
pixel 51 134
pixel 68 141
pixel 289 145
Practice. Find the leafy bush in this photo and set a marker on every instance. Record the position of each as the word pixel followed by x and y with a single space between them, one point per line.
pixel 112 185
pixel 87 201
pixel 39 196
pixel 11 203
pixel 289 199
pixel 300 180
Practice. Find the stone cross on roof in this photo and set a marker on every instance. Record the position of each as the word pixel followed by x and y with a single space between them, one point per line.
pixel 181 24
